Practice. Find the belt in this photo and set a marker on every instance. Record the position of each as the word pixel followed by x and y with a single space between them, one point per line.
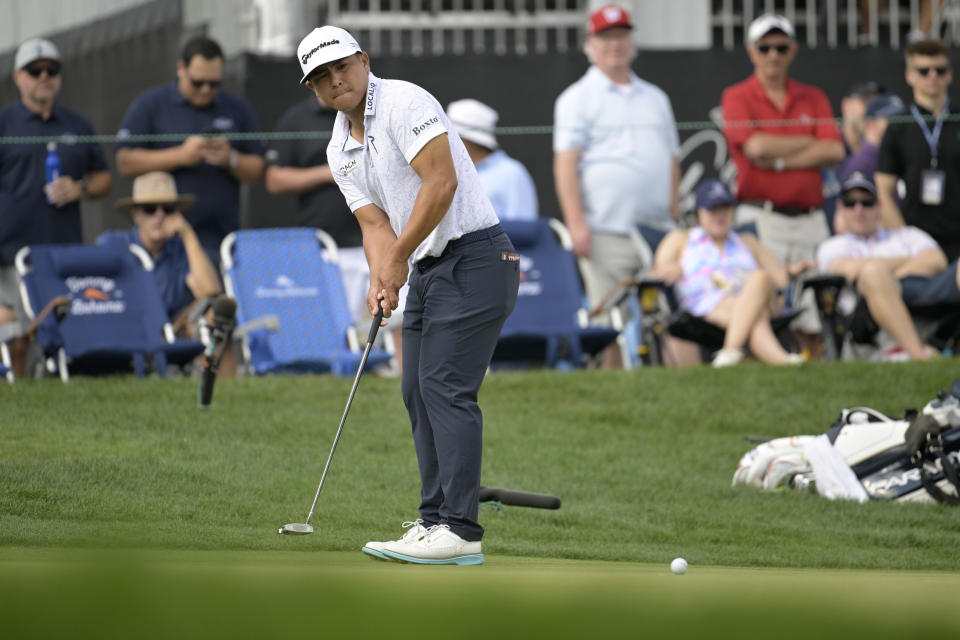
pixel 786 210
pixel 468 238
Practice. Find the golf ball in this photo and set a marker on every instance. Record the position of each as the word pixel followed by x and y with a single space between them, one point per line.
pixel 678 566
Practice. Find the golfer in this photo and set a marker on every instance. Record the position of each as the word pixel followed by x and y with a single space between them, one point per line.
pixel 408 178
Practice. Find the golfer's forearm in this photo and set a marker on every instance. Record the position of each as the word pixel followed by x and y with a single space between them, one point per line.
pixel 432 203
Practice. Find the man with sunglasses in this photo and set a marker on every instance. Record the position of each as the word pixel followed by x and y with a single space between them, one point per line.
pixel 181 268
pixel 33 211
pixel 781 134
pixel 924 152
pixel 891 268
pixel 203 161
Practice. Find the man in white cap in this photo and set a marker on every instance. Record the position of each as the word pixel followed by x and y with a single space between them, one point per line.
pixel 506 181
pixel 781 133
pixel 407 177
pixel 34 210
pixel 615 161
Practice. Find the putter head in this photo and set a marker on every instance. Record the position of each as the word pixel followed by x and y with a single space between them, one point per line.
pixel 295 529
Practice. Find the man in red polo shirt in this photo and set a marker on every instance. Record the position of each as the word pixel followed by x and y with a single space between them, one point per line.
pixel 780 134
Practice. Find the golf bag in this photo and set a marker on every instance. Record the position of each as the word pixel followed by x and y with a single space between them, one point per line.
pixel 868 455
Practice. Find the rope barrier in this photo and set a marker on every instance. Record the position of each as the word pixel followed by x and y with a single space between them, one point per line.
pixel 694 125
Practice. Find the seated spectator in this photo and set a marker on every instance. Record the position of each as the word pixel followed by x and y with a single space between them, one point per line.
pixel 181 268
pixel 506 181
pixel 726 278
pixel 891 267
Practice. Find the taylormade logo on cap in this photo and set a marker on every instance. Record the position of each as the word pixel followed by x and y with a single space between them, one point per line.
pixel 322 45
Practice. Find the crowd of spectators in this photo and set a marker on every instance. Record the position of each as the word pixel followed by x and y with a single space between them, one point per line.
pixel 616 166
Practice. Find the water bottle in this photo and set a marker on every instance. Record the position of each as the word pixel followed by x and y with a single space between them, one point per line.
pixel 52 165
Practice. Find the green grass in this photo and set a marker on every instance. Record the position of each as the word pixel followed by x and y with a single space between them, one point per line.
pixel 642 461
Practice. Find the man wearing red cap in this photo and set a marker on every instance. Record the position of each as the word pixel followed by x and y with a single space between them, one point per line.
pixel 615 158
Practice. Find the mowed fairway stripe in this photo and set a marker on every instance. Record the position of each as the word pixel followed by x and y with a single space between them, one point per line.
pixel 47 593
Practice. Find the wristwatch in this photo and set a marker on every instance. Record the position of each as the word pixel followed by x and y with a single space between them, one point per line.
pixel 778 165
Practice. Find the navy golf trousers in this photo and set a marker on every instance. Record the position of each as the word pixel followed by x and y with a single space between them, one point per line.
pixel 455 308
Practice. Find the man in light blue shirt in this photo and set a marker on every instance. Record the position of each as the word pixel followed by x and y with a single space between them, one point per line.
pixel 615 166
pixel 506 181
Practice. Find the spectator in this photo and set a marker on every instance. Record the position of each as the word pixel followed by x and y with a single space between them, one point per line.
pixel 876 117
pixel 924 153
pixel 31 210
pixel 891 267
pixel 853 106
pixel 615 159
pixel 726 278
pixel 299 166
pixel 780 134
pixel 181 268
pixel 507 182
pixel 208 165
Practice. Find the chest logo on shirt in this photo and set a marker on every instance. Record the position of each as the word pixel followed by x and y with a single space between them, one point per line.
pixel 223 123
pixel 372 139
pixel 349 168
pixel 426 125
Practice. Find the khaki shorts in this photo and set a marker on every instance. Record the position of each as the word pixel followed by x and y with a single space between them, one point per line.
pixel 791 239
pixel 613 258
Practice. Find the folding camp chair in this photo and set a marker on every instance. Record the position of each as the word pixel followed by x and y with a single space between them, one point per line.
pixel 851 333
pixel 293 274
pixel 654 311
pixel 550 322
pixel 113 318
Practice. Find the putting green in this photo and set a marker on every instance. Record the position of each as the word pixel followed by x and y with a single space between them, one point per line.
pixel 219 594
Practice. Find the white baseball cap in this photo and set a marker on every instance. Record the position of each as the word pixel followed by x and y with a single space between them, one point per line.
pixel 35 49
pixel 474 121
pixel 322 45
pixel 765 24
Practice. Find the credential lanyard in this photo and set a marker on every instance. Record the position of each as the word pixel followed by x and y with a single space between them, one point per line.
pixel 932 137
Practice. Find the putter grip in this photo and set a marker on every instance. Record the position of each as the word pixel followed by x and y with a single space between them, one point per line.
pixel 519 498
pixel 375 326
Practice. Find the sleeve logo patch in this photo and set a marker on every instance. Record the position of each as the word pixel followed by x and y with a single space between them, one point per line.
pixel 426 125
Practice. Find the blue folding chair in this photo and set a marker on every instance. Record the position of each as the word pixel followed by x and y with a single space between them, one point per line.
pixel 112 317
pixel 549 323
pixel 292 273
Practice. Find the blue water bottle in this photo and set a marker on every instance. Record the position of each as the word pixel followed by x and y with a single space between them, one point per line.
pixel 52 164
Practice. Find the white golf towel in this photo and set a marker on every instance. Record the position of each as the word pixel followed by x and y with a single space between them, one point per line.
pixel 835 478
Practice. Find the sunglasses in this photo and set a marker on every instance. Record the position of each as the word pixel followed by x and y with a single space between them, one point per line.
pixel 925 71
pixel 850 203
pixel 213 84
pixel 151 209
pixel 52 70
pixel 780 48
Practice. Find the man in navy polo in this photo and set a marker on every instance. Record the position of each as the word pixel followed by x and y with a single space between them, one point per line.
pixel 203 163
pixel 33 211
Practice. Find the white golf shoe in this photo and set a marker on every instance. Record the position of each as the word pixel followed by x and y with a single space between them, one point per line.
pixel 414 531
pixel 438 546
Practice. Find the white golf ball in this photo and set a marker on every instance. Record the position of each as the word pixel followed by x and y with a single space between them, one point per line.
pixel 678 566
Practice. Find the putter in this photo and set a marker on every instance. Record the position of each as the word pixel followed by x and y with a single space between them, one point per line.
pixel 303 528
